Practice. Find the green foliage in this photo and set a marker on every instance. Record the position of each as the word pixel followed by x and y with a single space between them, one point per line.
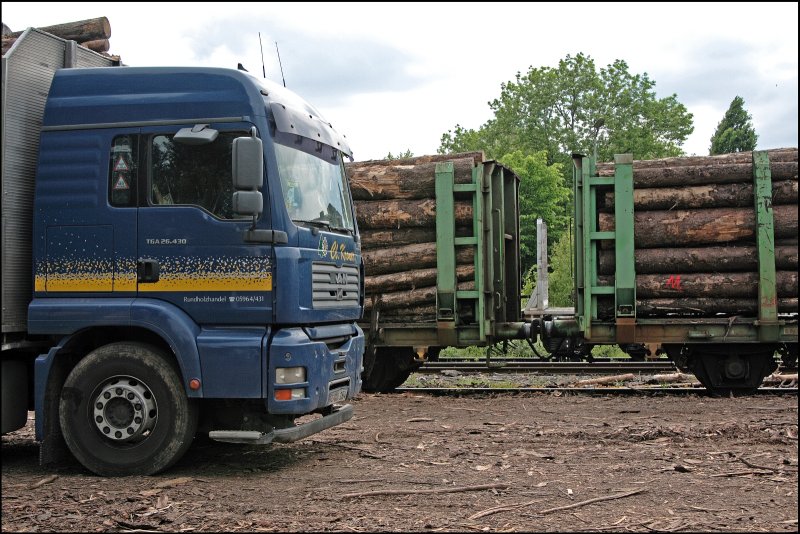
pixel 542 194
pixel 609 351
pixel 576 108
pixel 561 279
pixel 400 155
pixel 735 132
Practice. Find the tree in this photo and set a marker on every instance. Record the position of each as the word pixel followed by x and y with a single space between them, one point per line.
pixel 400 155
pixel 542 193
pixel 735 132
pixel 576 108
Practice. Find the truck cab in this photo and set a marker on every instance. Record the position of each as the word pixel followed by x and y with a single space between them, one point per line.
pixel 196 263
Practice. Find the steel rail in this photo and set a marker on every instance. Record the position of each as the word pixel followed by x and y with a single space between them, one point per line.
pixel 549 367
pixel 616 390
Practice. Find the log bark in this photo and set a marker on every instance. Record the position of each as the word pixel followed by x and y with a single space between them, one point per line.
pixel 477 156
pixel 98 45
pixel 81 30
pixel 707 285
pixel 699 259
pixel 409 280
pixel 775 154
pixel 725 168
pixel 371 239
pixel 392 179
pixel 705 196
pixel 653 229
pixel 417 315
pixel 696 307
pixel 378 214
pixel 411 299
pixel 606 380
pixel 408 257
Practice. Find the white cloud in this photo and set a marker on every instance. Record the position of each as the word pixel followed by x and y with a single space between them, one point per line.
pixel 396 76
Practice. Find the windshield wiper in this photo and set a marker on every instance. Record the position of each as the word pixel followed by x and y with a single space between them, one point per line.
pixel 323 223
pixel 319 223
pixel 342 229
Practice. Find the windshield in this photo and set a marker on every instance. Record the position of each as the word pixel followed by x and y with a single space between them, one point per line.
pixel 313 181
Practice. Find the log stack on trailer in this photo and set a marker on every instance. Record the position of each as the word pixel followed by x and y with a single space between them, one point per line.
pixel 396 214
pixel 696 253
pixel 694 235
pixel 440 243
pixel 90 33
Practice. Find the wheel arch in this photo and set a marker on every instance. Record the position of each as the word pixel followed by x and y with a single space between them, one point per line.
pixel 157 323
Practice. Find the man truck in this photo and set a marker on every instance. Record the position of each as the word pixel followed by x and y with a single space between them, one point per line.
pixel 180 255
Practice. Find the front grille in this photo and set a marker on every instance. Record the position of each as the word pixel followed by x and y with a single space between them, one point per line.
pixel 334 287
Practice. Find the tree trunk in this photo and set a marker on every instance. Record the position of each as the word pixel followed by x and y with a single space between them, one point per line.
pixel 654 229
pixel 709 285
pixel 412 299
pixel 371 239
pixel 408 257
pixel 98 45
pixel 726 168
pixel 696 307
pixel 409 280
pixel 392 179
pixel 81 31
pixel 705 196
pixel 377 214
pixel 415 316
pixel 699 259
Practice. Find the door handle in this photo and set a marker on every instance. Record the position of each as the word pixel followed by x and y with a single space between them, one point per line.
pixel 147 271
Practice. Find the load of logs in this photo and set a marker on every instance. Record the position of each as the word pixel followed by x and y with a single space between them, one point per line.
pixel 395 202
pixel 694 235
pixel 91 33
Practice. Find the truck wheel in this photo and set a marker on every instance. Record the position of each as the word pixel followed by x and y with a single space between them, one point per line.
pixel 392 367
pixel 123 411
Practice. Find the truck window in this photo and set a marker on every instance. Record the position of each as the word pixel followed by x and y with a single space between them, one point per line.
pixel 314 181
pixel 198 175
pixel 123 170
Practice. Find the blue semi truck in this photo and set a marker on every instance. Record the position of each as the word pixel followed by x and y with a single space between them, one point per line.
pixel 180 255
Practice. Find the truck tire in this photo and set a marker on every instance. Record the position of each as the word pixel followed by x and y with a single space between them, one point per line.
pixel 392 367
pixel 123 411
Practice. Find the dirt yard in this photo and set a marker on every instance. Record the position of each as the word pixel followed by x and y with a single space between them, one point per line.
pixel 541 462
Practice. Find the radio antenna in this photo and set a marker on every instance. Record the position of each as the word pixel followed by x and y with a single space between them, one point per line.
pixel 279 63
pixel 263 68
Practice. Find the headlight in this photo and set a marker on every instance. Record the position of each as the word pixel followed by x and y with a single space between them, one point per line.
pixel 290 375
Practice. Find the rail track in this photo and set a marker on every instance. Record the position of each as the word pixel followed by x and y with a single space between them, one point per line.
pixel 523 366
pixel 636 377
pixel 615 390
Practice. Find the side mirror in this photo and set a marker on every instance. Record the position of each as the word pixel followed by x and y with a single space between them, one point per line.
pixel 248 163
pixel 248 202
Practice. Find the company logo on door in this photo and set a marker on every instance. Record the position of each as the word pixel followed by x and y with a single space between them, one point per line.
pixel 336 251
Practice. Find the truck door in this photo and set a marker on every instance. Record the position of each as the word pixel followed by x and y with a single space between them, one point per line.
pixel 191 251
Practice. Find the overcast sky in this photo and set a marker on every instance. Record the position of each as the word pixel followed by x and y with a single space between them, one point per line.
pixel 396 76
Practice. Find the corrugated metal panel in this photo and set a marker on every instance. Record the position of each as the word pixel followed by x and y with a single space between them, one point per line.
pixel 28 69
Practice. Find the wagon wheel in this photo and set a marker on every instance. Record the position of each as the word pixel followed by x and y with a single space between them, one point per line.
pixel 735 369
pixel 392 367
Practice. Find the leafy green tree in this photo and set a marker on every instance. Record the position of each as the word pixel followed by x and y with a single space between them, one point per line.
pixel 735 132
pixel 577 108
pixel 561 281
pixel 400 155
pixel 541 194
